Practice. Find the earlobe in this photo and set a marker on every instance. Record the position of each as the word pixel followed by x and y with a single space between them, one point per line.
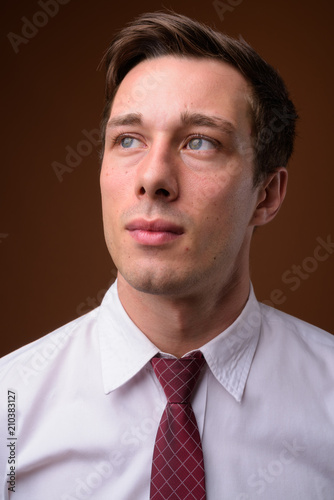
pixel 270 196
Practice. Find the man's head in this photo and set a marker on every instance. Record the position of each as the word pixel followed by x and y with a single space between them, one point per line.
pixel 179 196
pixel 155 35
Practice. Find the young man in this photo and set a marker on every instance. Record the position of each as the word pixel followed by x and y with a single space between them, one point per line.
pixel 197 132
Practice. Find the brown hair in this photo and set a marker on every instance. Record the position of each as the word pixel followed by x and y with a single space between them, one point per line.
pixel 160 34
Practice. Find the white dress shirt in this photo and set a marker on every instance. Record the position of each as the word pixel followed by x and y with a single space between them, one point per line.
pixel 88 405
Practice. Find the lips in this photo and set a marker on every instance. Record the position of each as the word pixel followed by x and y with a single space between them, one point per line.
pixel 156 232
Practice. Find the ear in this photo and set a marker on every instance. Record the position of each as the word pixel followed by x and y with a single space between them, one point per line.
pixel 271 194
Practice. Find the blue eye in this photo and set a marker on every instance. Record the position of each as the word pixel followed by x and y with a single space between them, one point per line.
pixel 129 142
pixel 199 144
pixel 126 142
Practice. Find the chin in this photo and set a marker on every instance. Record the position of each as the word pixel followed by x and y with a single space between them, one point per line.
pixel 158 283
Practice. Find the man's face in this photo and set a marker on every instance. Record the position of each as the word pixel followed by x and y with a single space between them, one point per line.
pixel 177 176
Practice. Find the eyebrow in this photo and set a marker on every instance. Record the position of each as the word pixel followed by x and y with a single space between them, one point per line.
pixel 128 119
pixel 203 120
pixel 187 119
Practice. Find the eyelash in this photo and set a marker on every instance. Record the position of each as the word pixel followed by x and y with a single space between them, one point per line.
pixel 214 142
pixel 116 140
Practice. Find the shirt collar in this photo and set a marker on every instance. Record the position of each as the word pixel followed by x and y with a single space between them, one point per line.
pixel 125 349
pixel 230 354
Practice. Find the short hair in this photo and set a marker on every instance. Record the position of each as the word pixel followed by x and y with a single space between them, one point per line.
pixel 159 34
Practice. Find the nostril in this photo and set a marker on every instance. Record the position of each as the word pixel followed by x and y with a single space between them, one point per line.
pixel 162 191
pixel 155 193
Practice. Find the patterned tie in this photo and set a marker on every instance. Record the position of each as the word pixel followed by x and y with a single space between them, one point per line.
pixel 178 467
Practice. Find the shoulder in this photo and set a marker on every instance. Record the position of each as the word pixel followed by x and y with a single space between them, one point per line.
pixel 295 342
pixel 36 355
pixel 287 324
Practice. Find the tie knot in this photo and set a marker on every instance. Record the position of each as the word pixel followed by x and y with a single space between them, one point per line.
pixel 178 376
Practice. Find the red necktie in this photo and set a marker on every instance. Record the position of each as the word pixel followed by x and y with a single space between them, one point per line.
pixel 178 467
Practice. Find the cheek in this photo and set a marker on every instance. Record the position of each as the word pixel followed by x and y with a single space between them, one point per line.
pixel 114 184
pixel 222 205
pixel 211 196
pixel 111 206
pixel 112 177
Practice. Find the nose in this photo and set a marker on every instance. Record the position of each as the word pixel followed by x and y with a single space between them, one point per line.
pixel 157 175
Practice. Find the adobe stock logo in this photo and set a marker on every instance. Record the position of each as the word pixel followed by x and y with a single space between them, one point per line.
pixel 3 236
pixel 266 477
pixel 222 7
pixel 30 28
pixel 75 155
pixel 296 274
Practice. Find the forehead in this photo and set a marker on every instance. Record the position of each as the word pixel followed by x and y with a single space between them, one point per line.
pixel 167 87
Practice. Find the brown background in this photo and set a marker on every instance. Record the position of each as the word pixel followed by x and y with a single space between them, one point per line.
pixel 54 262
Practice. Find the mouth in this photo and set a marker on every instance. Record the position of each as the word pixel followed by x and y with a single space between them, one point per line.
pixel 154 233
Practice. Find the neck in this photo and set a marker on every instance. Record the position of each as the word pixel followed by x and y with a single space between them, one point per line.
pixel 177 325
